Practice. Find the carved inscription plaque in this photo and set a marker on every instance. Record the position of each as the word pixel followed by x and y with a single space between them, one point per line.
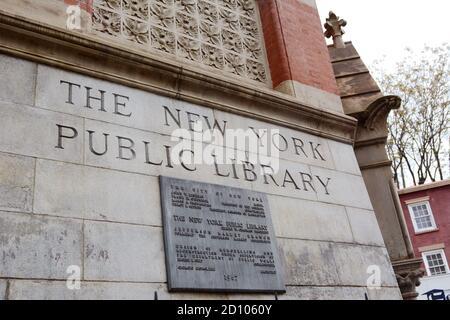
pixel 218 238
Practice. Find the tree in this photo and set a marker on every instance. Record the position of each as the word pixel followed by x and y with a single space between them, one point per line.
pixel 419 130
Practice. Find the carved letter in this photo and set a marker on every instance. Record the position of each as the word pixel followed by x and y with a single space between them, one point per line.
pixel 233 166
pixel 216 125
pixel 278 146
pixel 101 99
pixel 191 121
pixel 260 137
pixel 307 179
pixel 177 119
pixel 182 162
pixel 216 166
pixel 325 185
pixel 288 178
pixel 69 91
pixel 61 135
pixel 91 144
pixel 130 147
pixel 299 146
pixel 247 170
pixel 266 169
pixel 147 155
pixel 315 151
pixel 169 159
pixel 118 104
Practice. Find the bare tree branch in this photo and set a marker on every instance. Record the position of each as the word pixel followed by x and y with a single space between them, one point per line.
pixel 419 129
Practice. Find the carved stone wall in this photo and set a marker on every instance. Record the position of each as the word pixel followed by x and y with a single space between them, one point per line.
pixel 221 34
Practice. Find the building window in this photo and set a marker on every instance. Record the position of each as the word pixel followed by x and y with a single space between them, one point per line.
pixel 422 216
pixel 435 262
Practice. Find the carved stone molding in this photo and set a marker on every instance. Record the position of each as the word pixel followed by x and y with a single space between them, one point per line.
pixel 220 34
pixel 408 274
pixel 164 75
pixel 378 111
pixel 373 121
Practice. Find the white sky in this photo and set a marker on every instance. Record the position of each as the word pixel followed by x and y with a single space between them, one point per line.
pixel 386 27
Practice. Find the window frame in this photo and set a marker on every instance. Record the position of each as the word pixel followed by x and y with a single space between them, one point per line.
pixel 444 259
pixel 413 218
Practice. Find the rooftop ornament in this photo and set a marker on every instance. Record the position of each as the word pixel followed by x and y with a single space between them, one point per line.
pixel 333 26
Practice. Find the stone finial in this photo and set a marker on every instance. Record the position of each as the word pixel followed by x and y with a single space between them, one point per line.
pixel 333 26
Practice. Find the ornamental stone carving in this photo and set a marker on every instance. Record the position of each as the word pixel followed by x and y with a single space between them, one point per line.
pixel 107 22
pixel 162 16
pixel 210 33
pixel 219 34
pixel 234 64
pixel 163 40
pixel 135 8
pixel 333 27
pixel 408 281
pixel 188 48
pixel 135 31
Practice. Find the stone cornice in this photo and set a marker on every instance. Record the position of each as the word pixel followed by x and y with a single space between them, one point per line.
pixel 370 142
pixel 373 121
pixel 374 165
pixel 114 62
pixel 427 186
pixel 377 112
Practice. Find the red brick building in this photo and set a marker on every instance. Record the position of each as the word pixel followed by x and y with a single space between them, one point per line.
pixel 427 213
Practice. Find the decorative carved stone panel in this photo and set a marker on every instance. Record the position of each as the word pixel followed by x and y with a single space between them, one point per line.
pixel 220 34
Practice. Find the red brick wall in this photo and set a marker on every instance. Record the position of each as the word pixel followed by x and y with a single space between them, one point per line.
pixel 440 206
pixel 296 47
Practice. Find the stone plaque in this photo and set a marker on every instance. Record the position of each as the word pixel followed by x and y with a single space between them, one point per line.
pixel 218 238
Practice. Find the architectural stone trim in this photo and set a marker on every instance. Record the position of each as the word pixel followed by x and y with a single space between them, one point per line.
pixel 370 142
pixel 427 186
pixel 95 57
pixel 436 246
pixel 408 273
pixel 401 219
pixel 386 163
pixel 415 200
pixel 311 95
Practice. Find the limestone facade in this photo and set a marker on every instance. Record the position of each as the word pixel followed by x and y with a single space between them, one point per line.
pixel 85 129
